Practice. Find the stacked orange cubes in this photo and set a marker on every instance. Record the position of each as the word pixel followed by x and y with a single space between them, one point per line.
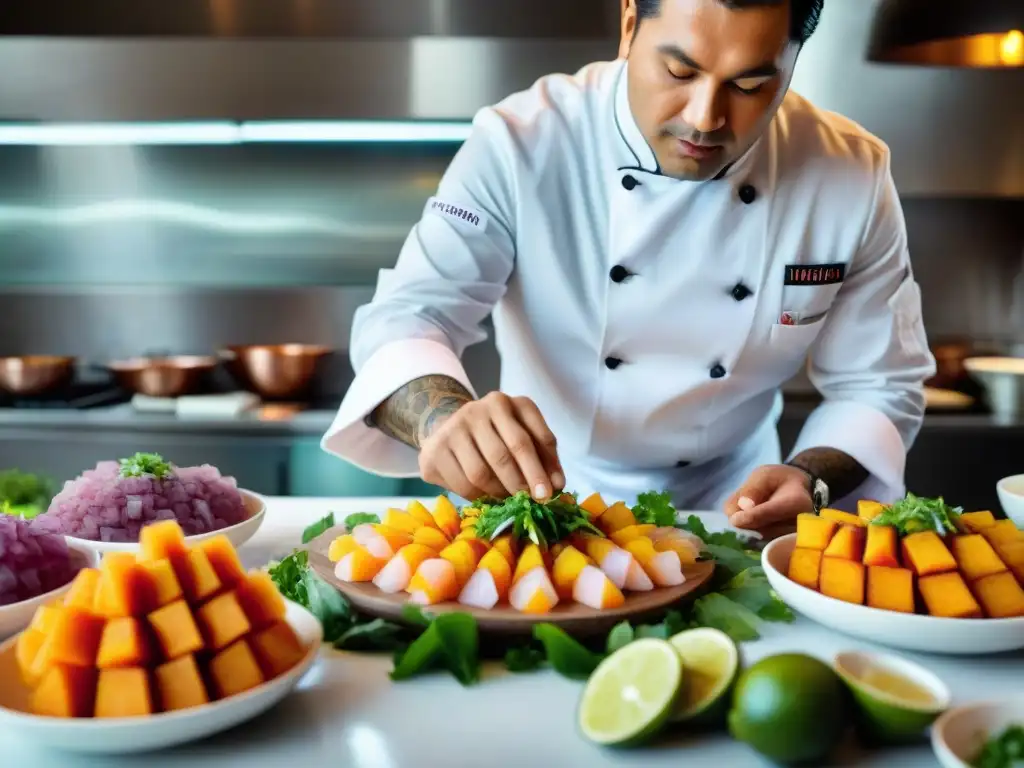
pixel 974 574
pixel 172 628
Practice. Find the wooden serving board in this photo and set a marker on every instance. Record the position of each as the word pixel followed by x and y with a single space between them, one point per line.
pixel 578 620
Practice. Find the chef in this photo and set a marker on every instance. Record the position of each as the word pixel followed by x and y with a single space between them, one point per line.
pixel 662 241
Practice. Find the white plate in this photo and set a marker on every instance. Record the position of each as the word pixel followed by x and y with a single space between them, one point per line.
pixel 17 616
pixel 1011 498
pixel 959 734
pixel 126 735
pixel 913 632
pixel 238 533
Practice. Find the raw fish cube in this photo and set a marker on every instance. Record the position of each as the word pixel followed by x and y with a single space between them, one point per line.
pixel 124 643
pixel 176 629
pixel 396 575
pixel 613 560
pixel 567 567
pixel 369 539
pixel 224 558
pixel 402 521
pixel 926 554
pixel 179 684
pixel 123 692
pixel 496 563
pixel 222 621
pixel 842 579
pixel 234 670
pixel 341 546
pixel 359 565
pixel 463 557
pixel 164 584
pixel 813 532
pixel 532 557
pixel 847 543
pixel 480 591
pixel 594 589
pixel 277 649
pixel 946 595
pixel 431 537
pixel 1000 595
pixel 433 582
pixel 805 567
pixel 533 592
pixel 65 691
pixel 509 547
pixel 882 546
pixel 259 598
pixel 891 589
pixel 395 537
pixel 975 557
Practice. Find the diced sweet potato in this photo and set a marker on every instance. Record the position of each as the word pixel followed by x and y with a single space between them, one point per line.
pixel 975 522
pixel 975 557
pixel 25 649
pixel 1012 553
pixel 222 621
pixel 843 518
pixel 176 630
pixel 1002 532
pixel 73 639
pixel 926 554
pixel 463 557
pixel 509 547
pixel 421 514
pixel 82 593
pixel 234 670
pixel 805 567
pixel 593 505
pixel 163 540
pixel 847 543
pixel 891 589
pixel 813 532
pixel 164 585
pixel 446 516
pixel 869 510
pixel 882 547
pixel 224 558
pixel 45 618
pixel 617 516
pixel 179 684
pixel 1000 595
pixel 65 691
pixel 842 579
pixel 123 692
pixel 259 598
pixel 402 521
pixel 198 579
pixel 124 643
pixel 947 595
pixel 342 545
pixel 1018 570
pixel 124 587
pixel 277 649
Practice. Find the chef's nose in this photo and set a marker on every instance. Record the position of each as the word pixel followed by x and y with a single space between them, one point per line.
pixel 702 111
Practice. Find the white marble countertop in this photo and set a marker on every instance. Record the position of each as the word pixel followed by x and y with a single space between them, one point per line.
pixel 347 712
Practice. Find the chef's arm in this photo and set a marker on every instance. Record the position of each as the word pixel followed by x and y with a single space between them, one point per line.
pixel 870 362
pixel 411 413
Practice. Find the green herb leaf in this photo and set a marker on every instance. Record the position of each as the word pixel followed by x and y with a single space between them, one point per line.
pixel 375 635
pixel 317 528
pixel 621 635
pixel 327 604
pixel 566 656
pixel 718 611
pixel 913 514
pixel 359 518
pixel 421 656
pixel 654 509
pixel 287 576
pixel 726 539
pixel 750 588
pixel 1003 751
pixel 543 524
pixel 732 561
pixel 525 658
pixel 452 640
pixel 145 465
pixel 413 614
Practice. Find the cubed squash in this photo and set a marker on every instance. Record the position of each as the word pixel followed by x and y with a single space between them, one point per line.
pixel 926 554
pixel 164 585
pixel 842 579
pixel 946 595
pixel 882 547
pixel 1000 595
pixel 234 670
pixel 45 618
pixel 277 649
pixel 179 684
pixel 176 629
pixel 975 522
pixel 1012 553
pixel 123 692
pixel 1018 570
pixel 259 598
pixel 25 649
pixel 625 535
pixel 125 642
pixel 566 568
pixel 421 514
pixel 1002 532
pixel 509 547
pixel 532 557
pixel 843 518
pixel 82 592
pixel 401 521
pixel 463 557
pixel 124 587
pixel 65 691
pixel 617 516
pixel 891 589
pixel 73 639
pixel 162 540
pixel 224 558
pixel 805 567
pixel 868 510
pixel 813 532
pixel 446 516
pixel 593 505
pixel 198 579
pixel 975 557
pixel 847 543
pixel 222 621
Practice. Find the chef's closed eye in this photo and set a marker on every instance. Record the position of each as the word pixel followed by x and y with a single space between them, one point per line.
pixel 750 85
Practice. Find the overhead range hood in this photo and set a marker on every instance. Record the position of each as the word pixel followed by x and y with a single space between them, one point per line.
pixel 271 60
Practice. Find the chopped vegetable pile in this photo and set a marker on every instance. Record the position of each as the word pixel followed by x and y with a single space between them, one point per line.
pixel 543 524
pixel 913 514
pixel 1003 751
pixel 145 465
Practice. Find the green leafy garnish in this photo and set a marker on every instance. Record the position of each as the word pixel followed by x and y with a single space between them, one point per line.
pixel 452 640
pixel 23 494
pixel 374 635
pixel 314 530
pixel 359 518
pixel 654 509
pixel 146 465
pixel 542 523
pixel 913 514
pixel 566 656
pixel 526 658
pixel 287 576
pixel 1003 751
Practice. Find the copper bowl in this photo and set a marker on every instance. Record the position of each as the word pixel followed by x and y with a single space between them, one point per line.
pixel 275 371
pixel 35 374
pixel 171 376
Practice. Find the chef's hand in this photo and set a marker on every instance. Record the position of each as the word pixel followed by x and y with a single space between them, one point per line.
pixel 770 500
pixel 495 446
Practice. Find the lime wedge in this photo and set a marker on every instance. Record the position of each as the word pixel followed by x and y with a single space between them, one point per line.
pixel 631 693
pixel 710 663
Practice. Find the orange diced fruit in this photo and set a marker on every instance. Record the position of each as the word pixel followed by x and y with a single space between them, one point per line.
pixel 176 629
pixel 124 587
pixel 533 592
pixel 25 649
pixel 975 557
pixel 359 565
pixel 532 557
pixel 593 505
pixel 842 579
pixel 65 691
pixel 446 516
pixel 124 643
pixel 805 567
pixel 431 537
pixel 616 517
pixel 165 587
pixel 566 569
pixel 891 589
pixel 45 618
pixel 926 554
pixel 277 649
pixel 594 589
pixel 1000 595
pixel 396 575
pixel 341 546
pixel 179 684
pixel 401 521
pixel 1012 553
pixel 869 510
pixel 508 546
pixel 82 593
pixel 224 558
pixel 198 579
pixel 843 518
pixel 1002 532
pixel 847 543
pixel 421 514
pixel 975 522
pixel 434 582
pixel 259 598
pixel 463 557
pixel 222 621
pixel 73 639
pixel 624 535
pixel 123 692
pixel 395 537
pixel 946 595
pixel 813 532
pixel 500 569
pixel 234 670
pixel 163 540
pixel 882 547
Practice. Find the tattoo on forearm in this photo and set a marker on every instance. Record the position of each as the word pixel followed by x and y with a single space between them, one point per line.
pixel 411 413
pixel 840 471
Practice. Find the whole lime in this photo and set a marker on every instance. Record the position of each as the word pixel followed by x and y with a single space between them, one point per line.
pixel 791 708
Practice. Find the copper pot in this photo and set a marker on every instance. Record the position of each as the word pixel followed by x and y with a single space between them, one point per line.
pixel 35 374
pixel 275 371
pixel 171 376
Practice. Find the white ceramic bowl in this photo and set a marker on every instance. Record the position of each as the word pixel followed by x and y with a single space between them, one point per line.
pixel 913 632
pixel 1011 498
pixel 1003 379
pixel 238 534
pixel 959 734
pixel 125 735
pixel 17 616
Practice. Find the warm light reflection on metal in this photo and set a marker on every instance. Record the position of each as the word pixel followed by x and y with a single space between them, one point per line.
pixel 994 50
pixel 1012 48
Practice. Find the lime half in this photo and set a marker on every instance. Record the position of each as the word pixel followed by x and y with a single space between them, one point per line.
pixel 631 693
pixel 710 663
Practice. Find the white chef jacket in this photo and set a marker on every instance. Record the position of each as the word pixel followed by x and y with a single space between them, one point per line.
pixel 653 320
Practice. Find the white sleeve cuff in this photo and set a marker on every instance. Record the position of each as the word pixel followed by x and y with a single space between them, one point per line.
pixel 391 367
pixel 866 434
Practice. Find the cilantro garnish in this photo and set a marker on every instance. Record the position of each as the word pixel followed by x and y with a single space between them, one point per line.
pixel 542 523
pixel 146 465
pixel 655 509
pixel 913 514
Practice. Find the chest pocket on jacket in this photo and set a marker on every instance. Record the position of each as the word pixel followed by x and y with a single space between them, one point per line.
pixel 791 342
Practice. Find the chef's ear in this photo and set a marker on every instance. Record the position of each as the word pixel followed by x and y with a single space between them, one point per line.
pixel 629 22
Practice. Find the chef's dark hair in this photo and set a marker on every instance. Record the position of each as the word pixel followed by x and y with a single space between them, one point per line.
pixel 805 13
